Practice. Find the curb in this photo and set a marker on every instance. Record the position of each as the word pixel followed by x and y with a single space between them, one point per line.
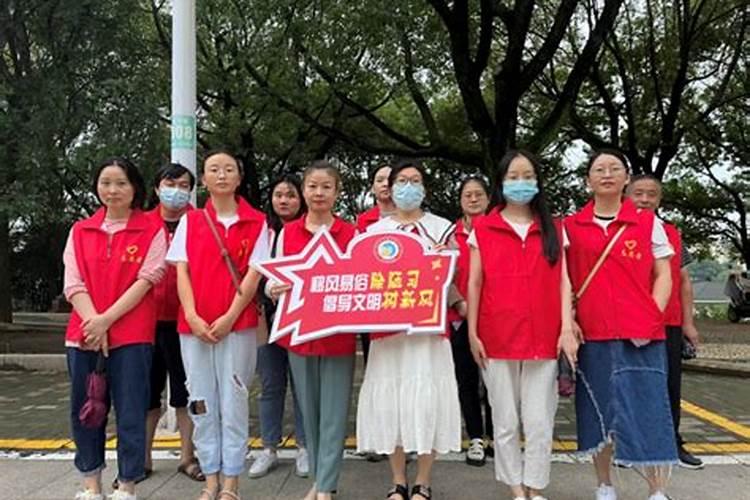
pixel 36 362
pixel 58 363
pixel 718 367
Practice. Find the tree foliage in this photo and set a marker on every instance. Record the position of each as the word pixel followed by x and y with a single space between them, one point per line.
pixel 457 83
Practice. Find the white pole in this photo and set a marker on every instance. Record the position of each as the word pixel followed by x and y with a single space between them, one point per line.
pixel 183 83
pixel 183 113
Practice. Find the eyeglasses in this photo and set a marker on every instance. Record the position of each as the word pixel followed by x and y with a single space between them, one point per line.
pixel 612 170
pixel 402 181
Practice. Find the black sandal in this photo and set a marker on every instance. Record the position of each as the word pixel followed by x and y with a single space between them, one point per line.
pixel 422 490
pixel 399 489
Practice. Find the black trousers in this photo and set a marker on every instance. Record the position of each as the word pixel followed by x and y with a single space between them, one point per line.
pixel 470 394
pixel 674 376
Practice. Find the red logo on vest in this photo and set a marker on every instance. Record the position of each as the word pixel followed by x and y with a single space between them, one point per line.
pixel 131 255
pixel 631 250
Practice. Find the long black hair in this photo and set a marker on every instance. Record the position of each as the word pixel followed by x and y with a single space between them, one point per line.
pixel 131 172
pixel 274 221
pixel 550 239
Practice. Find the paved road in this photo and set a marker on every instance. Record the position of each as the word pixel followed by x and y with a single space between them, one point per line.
pixel 53 480
pixel 34 405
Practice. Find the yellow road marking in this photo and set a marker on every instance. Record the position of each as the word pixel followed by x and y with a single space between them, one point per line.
pixel 714 418
pixel 289 443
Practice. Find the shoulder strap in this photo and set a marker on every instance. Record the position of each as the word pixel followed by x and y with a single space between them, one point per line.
pixel 233 271
pixel 599 262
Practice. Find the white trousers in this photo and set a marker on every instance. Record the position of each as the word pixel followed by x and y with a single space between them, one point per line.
pixel 218 377
pixel 523 394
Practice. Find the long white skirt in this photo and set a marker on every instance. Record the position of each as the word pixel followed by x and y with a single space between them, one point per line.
pixel 409 397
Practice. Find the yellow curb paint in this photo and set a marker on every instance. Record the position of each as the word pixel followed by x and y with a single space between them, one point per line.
pixel 714 418
pixel 558 445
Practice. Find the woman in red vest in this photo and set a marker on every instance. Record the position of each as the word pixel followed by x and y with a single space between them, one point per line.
pixel 474 195
pixel 519 303
pixel 621 395
pixel 212 249
pixel 172 187
pixel 112 261
pixel 322 369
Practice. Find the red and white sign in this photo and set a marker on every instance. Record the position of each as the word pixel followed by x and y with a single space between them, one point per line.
pixel 386 282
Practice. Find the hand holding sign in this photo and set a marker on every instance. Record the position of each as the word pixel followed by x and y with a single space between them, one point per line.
pixel 386 282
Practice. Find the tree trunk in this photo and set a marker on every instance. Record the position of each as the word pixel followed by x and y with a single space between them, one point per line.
pixel 6 296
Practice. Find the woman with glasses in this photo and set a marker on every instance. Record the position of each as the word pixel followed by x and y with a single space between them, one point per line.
pixel 409 399
pixel 622 405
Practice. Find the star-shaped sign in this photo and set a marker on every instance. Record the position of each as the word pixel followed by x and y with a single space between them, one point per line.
pixel 385 282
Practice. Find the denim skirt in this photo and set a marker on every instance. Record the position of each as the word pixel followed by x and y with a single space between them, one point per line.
pixel 621 398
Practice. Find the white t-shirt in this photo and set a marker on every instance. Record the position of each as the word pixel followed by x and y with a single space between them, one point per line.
pixel 660 246
pixel 178 249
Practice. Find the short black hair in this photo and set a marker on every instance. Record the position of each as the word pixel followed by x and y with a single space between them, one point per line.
pixel 403 164
pixel 645 177
pixel 131 172
pixel 173 171
pixel 611 152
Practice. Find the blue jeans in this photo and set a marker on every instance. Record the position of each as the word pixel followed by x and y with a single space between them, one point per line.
pixel 621 396
pixel 128 369
pixel 273 368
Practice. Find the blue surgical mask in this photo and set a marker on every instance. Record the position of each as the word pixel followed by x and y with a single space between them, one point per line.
pixel 520 192
pixel 407 196
pixel 174 198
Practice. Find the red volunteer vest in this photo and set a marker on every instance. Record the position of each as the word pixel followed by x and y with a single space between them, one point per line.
pixel 673 312
pixel 461 278
pixel 109 266
pixel 520 304
pixel 367 218
pixel 210 278
pixel 618 302
pixel 165 291
pixel 296 237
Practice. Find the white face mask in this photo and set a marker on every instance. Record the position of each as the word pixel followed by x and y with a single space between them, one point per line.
pixel 174 198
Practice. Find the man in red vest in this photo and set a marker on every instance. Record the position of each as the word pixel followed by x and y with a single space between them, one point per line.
pixel 646 193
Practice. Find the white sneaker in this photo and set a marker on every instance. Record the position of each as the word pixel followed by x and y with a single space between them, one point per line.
pixel 266 461
pixel 302 463
pixel 606 492
pixel 658 496
pixel 537 497
pixel 475 453
pixel 121 495
pixel 88 495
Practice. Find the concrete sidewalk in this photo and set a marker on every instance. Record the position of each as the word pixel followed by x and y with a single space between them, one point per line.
pixel 58 480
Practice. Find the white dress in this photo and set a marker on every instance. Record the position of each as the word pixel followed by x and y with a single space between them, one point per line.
pixel 409 396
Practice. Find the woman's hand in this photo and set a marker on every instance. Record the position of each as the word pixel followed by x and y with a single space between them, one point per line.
pixel 95 330
pixel 200 328
pixel 221 327
pixel 277 289
pixel 477 350
pixel 568 343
